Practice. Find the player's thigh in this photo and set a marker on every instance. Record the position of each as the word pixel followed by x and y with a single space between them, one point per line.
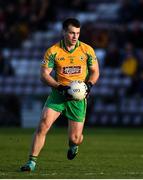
pixel 49 116
pixel 75 128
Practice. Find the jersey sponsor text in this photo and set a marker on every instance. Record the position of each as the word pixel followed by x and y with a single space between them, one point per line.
pixel 72 70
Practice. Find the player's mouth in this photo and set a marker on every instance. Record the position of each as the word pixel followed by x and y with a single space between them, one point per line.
pixel 74 41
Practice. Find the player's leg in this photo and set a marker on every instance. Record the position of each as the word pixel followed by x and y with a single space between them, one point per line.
pixel 75 138
pixel 47 119
pixel 75 111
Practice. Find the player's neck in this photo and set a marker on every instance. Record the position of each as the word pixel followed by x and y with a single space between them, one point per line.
pixel 69 47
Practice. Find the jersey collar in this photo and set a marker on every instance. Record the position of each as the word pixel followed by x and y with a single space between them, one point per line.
pixel 62 45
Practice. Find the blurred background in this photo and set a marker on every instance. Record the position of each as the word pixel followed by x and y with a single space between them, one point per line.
pixel 114 28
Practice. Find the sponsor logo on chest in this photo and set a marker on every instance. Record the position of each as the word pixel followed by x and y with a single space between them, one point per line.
pixel 72 70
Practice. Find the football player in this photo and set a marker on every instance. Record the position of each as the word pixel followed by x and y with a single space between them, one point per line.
pixel 71 60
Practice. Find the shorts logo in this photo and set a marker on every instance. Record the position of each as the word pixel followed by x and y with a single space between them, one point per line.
pixel 72 70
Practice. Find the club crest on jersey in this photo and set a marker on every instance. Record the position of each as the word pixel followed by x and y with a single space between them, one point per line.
pixel 81 58
pixel 72 70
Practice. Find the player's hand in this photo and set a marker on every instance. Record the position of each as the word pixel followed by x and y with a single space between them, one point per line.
pixel 89 86
pixel 63 90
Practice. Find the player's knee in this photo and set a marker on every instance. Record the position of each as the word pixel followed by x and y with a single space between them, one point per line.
pixel 43 127
pixel 76 139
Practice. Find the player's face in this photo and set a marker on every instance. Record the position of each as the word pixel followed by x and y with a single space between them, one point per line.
pixel 71 35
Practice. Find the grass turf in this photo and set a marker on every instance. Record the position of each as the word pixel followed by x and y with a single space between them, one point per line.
pixel 105 153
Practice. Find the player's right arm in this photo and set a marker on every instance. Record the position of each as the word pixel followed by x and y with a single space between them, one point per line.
pixel 47 78
pixel 47 66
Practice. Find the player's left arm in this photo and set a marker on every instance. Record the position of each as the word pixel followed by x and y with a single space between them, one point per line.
pixel 93 69
pixel 93 66
pixel 93 76
pixel 93 73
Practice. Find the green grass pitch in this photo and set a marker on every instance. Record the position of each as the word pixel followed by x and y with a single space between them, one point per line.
pixel 105 153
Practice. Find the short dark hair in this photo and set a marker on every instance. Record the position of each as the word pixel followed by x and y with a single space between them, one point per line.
pixel 71 21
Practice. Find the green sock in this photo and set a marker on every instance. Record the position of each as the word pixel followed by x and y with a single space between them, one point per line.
pixel 33 158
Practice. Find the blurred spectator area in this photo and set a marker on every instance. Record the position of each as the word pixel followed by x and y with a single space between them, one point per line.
pixel 113 28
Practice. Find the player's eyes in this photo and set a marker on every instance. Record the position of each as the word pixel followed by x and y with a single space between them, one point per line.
pixel 74 33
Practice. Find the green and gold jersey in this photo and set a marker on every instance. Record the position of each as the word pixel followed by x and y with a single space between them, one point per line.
pixel 69 65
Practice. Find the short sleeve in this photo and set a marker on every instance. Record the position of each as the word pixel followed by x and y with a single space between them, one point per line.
pixel 91 57
pixel 49 59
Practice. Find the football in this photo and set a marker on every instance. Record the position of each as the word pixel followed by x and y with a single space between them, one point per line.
pixel 78 90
